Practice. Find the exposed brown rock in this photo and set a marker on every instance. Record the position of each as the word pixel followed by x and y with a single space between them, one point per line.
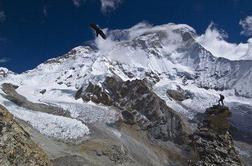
pixel 217 118
pixel 117 154
pixel 16 146
pixel 212 142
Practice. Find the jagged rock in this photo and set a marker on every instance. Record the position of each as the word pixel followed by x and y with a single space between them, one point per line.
pixel 16 146
pixel 142 106
pixel 129 117
pixel 3 72
pixel 42 91
pixel 117 154
pixel 217 118
pixel 78 93
pixel 179 94
pixel 152 76
pixel 176 95
pixel 60 83
pixel 97 95
pixel 212 142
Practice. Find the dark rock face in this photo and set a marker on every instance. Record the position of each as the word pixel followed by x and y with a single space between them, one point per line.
pixel 212 142
pixel 95 94
pixel 217 119
pixel 179 94
pixel 139 106
pixel 176 95
pixel 43 91
pixel 152 76
pixel 129 117
pixel 3 73
pixel 16 146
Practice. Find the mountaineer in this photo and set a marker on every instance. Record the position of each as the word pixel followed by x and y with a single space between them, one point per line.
pixel 220 102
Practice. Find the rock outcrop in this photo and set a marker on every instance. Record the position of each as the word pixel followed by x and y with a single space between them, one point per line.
pixel 212 141
pixel 11 94
pixel 179 94
pixel 16 146
pixel 4 72
pixel 139 105
pixel 117 154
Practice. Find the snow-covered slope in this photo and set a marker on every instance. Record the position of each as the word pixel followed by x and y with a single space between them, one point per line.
pixel 166 55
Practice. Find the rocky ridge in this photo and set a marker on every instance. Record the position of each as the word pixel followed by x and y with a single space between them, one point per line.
pixel 212 141
pixel 16 146
pixel 139 105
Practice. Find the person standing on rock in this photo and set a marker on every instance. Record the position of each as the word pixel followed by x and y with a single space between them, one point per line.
pixel 220 102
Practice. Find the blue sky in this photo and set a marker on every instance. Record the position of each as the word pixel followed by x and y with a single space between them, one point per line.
pixel 32 31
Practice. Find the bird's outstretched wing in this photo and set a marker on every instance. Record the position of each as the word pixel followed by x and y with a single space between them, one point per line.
pixel 102 34
pixel 98 31
pixel 93 26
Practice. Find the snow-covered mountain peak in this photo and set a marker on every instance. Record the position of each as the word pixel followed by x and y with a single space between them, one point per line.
pixel 144 36
pixel 168 51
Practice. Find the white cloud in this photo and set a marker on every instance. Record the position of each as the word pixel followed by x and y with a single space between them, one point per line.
pixel 246 26
pixel 4 60
pixel 77 3
pixel 214 40
pixel 2 16
pixel 108 5
pixel 166 36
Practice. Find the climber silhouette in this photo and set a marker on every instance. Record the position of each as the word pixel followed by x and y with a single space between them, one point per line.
pixel 220 102
pixel 98 31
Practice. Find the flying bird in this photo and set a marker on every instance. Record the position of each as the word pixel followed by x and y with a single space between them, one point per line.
pixel 98 31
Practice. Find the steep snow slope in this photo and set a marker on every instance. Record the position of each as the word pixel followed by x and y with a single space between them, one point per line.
pixel 168 56
pixel 217 73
